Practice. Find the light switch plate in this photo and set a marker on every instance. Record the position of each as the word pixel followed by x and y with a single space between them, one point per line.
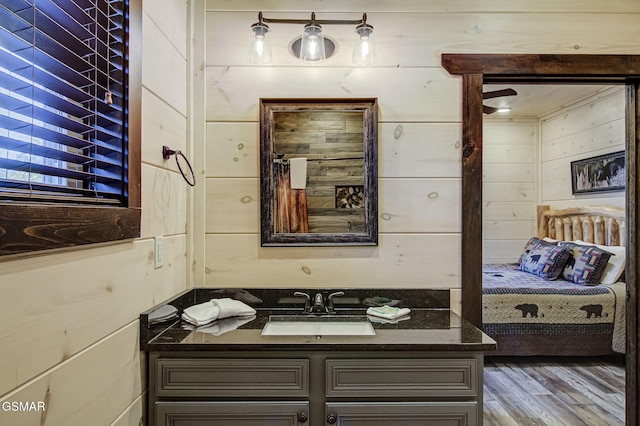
pixel 158 250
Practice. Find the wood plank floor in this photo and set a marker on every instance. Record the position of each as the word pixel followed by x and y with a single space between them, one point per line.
pixel 554 391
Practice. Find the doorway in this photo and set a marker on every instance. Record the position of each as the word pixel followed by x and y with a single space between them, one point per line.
pixel 476 70
pixel 531 135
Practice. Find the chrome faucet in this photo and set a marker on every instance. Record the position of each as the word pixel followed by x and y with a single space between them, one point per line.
pixel 318 303
pixel 330 307
pixel 307 300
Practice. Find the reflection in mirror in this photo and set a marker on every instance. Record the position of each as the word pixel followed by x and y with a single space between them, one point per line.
pixel 318 171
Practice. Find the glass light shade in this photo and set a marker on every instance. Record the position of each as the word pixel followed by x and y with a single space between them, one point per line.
pixel 364 49
pixel 312 45
pixel 259 45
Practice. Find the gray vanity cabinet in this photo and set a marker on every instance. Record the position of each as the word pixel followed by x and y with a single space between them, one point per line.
pixel 252 413
pixel 405 391
pixel 315 388
pixel 219 391
pixel 402 414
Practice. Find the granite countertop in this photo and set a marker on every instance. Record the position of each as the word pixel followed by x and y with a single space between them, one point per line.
pixel 430 326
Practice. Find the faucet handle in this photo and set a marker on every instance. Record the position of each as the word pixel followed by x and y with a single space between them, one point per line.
pixel 307 301
pixel 330 307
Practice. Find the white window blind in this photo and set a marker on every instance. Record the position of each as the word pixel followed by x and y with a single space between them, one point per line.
pixel 63 98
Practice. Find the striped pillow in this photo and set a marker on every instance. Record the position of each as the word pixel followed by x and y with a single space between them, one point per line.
pixel 545 260
pixel 586 264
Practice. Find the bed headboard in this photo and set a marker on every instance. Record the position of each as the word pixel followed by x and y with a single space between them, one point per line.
pixel 594 224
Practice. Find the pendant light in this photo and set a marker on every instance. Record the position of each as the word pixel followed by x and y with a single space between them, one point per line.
pixel 259 44
pixel 312 44
pixel 364 50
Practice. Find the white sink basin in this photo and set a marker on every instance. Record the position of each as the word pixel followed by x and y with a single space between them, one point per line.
pixel 302 325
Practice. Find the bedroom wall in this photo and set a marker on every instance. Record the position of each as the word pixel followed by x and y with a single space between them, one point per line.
pixel 526 160
pixel 589 128
pixel 510 182
pixel 68 321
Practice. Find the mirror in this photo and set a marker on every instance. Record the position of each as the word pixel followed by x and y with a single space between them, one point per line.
pixel 318 172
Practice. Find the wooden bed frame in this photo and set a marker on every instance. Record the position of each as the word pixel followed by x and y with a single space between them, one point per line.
pixel 604 225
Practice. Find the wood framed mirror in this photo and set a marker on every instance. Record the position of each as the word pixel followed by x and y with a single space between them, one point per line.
pixel 478 69
pixel 318 172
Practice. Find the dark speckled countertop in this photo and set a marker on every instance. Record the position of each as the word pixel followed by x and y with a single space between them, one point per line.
pixel 431 326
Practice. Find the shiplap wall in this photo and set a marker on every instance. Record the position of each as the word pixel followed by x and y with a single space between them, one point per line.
pixel 529 160
pixel 592 127
pixel 510 164
pixel 68 321
pixel 419 137
pixel 72 337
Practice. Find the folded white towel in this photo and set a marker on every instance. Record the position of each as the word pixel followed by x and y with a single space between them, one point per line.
pixel 225 325
pixel 207 312
pixel 232 308
pixel 201 314
pixel 163 313
pixel 388 312
pixel 381 320
pixel 298 173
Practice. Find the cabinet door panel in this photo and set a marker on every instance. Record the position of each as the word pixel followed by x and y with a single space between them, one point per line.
pixel 403 414
pixel 393 378
pixel 246 378
pixel 232 413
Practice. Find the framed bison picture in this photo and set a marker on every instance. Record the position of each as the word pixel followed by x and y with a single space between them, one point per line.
pixel 606 172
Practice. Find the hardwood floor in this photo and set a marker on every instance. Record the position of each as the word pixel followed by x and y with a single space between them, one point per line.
pixel 554 391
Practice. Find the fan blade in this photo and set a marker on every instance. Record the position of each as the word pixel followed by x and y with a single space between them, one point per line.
pixel 488 110
pixel 499 93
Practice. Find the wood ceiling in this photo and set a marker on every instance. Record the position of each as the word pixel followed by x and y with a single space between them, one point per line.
pixel 538 100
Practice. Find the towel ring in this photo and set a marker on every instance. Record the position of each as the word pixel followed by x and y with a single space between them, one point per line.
pixel 168 152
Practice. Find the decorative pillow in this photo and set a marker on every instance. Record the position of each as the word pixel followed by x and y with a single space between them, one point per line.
pixel 586 263
pixel 532 242
pixel 545 260
pixel 616 263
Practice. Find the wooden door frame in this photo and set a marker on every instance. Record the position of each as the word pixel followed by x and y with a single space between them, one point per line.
pixel 478 69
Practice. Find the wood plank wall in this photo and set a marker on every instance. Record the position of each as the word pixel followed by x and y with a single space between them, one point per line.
pixel 419 130
pixel 510 163
pixel 527 162
pixel 68 321
pixel 56 326
pixel 587 129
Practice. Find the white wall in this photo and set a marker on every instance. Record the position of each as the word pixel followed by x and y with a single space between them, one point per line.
pixel 587 129
pixel 510 182
pixel 527 162
pixel 68 321
pixel 419 172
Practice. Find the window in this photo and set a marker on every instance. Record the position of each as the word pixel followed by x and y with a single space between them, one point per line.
pixel 69 124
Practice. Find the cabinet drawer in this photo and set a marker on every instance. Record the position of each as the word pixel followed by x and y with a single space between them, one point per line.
pixel 232 413
pixel 389 378
pixel 402 414
pixel 201 377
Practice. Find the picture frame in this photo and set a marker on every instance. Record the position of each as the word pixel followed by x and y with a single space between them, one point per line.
pixel 606 172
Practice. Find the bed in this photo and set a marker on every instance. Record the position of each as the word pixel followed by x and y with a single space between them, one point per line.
pixel 566 294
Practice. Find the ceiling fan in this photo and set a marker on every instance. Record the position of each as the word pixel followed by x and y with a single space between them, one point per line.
pixel 496 94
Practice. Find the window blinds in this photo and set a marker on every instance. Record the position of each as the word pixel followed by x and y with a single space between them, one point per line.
pixel 63 100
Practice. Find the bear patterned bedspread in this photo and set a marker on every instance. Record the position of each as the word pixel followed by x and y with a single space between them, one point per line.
pixel 517 303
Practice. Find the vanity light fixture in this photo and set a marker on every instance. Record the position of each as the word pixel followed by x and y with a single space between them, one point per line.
pixel 313 46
